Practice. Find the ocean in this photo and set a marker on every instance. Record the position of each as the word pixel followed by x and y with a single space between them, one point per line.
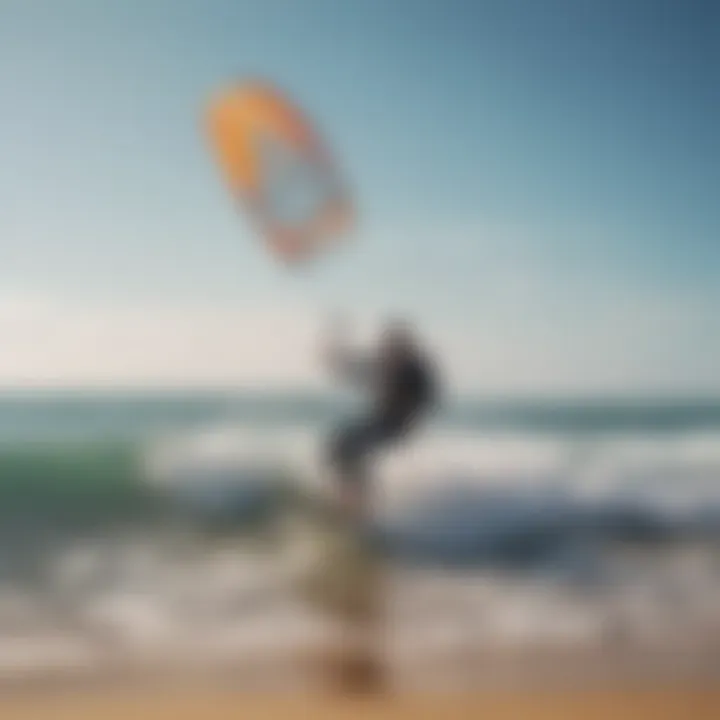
pixel 131 525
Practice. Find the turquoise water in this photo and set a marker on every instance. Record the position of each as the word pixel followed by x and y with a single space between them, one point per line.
pixel 74 481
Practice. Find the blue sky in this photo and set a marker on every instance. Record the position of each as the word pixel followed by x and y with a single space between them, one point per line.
pixel 537 185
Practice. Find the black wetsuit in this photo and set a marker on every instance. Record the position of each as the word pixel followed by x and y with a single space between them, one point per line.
pixel 404 391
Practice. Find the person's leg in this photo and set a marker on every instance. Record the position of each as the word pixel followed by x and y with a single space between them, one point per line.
pixel 356 663
pixel 349 452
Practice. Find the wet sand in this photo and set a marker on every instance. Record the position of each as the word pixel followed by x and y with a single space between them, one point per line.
pixel 675 702
pixel 613 685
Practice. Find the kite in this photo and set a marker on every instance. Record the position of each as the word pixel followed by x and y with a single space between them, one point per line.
pixel 279 170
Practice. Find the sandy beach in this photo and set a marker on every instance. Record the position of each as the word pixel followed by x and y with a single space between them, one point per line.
pixel 610 685
pixel 673 702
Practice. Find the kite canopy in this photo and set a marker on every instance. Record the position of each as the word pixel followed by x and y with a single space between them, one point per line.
pixel 279 170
